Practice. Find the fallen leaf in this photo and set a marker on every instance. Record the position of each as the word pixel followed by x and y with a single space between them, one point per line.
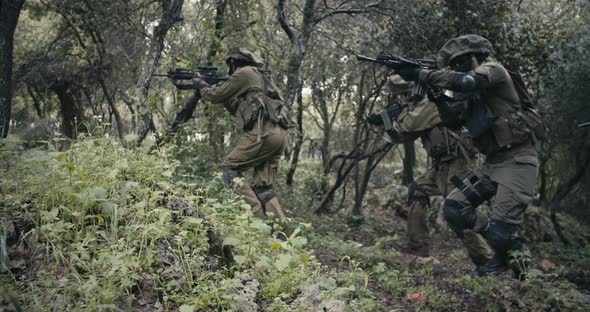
pixel 426 260
pixel 419 297
pixel 548 265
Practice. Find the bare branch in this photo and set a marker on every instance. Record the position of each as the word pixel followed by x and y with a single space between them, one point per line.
pixel 283 21
pixel 349 10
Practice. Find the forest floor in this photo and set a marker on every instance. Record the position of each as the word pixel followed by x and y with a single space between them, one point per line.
pixel 104 228
pixel 403 282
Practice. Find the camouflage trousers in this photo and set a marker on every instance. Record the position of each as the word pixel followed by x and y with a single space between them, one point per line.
pixel 511 181
pixel 260 152
pixel 436 181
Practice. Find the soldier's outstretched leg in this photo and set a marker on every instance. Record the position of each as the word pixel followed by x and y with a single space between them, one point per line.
pixel 470 225
pixel 242 187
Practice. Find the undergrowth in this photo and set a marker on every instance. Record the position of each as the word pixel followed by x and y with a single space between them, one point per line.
pixel 104 227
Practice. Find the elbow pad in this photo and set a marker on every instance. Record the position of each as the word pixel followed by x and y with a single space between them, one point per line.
pixel 464 82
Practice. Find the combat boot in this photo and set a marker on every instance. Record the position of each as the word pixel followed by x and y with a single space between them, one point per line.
pixel 409 248
pixel 494 266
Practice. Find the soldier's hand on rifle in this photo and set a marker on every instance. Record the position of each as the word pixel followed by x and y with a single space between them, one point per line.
pixel 408 73
pixel 375 119
pixel 199 83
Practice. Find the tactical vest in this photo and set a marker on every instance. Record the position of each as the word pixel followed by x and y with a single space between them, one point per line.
pixel 443 144
pixel 495 117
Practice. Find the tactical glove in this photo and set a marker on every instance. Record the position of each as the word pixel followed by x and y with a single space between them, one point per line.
pixel 199 83
pixel 375 119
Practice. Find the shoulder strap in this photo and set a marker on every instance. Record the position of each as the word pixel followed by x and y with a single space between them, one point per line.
pixel 462 145
pixel 523 94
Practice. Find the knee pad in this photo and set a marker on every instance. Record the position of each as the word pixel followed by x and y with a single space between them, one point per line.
pixel 457 218
pixel 476 190
pixel 264 193
pixel 412 196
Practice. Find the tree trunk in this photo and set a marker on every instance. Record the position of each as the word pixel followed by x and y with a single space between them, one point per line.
pixel 298 140
pixel 114 109
pixel 9 13
pixel 409 163
pixel 171 10
pixel 68 109
pixel 36 102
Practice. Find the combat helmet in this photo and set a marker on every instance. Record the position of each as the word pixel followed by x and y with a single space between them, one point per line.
pixel 397 85
pixel 241 54
pixel 463 45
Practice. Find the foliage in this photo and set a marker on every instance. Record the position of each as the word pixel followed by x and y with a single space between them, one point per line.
pixel 105 226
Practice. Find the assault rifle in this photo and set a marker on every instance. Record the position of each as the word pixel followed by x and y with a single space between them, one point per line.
pixel 209 74
pixel 396 62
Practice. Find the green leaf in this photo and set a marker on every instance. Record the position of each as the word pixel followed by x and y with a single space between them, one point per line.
pixel 61 156
pixel 298 242
pixel 264 262
pixel 379 268
pixel 239 259
pixel 69 166
pixel 262 227
pixel 283 262
pixel 107 207
pixel 340 291
pixel 303 257
pixel 99 193
pixel 275 245
pixel 187 308
pixel 231 241
pixel 193 220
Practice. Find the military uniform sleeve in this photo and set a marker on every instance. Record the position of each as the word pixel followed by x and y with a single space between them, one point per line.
pixel 487 75
pixel 234 86
pixel 493 73
pixel 422 117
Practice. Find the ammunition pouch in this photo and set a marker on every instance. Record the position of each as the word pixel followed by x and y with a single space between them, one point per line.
pixel 513 130
pixel 247 109
pixel 272 103
pixel 466 109
pixel 534 122
pixel 452 112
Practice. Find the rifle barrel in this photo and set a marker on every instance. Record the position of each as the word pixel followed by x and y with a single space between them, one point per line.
pixel 366 58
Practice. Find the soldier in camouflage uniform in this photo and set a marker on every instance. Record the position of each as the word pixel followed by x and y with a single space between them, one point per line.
pixel 248 95
pixel 489 104
pixel 450 151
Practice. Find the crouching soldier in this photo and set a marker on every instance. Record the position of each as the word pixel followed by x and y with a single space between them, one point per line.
pixel 410 117
pixel 490 105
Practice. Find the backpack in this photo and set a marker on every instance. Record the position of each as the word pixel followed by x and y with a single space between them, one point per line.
pixel 528 114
